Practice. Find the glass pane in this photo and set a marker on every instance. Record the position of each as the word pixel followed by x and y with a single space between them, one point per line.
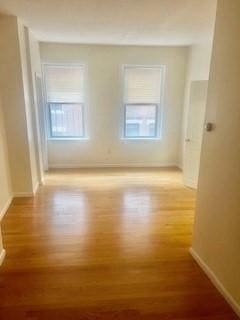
pixel 66 120
pixel 132 129
pixel 140 121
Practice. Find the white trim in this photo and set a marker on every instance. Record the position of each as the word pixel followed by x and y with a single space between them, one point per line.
pixel 141 138
pixel 113 165
pixel 190 183
pixel 216 282
pixel 160 105
pixel 2 256
pixel 5 208
pixel 46 65
pixel 39 85
pixel 180 166
pixel 23 194
pixel 27 194
pixel 35 189
pixel 68 139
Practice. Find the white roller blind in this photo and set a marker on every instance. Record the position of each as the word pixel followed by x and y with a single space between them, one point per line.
pixel 64 84
pixel 142 84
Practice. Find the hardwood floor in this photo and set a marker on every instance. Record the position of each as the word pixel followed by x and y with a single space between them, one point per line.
pixel 105 244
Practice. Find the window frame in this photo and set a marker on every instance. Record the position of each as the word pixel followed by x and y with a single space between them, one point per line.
pixel 48 120
pixel 159 106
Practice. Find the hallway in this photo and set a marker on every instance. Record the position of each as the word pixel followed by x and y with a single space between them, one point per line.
pixel 105 244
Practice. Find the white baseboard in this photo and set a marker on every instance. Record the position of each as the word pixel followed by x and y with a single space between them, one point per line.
pixel 112 165
pixel 216 282
pixel 5 208
pixel 27 194
pixel 2 256
pixel 23 194
pixel 35 189
pixel 190 183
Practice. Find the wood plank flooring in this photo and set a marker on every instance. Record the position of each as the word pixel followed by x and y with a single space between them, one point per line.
pixel 105 244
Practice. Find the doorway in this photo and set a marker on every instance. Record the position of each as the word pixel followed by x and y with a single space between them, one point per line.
pixel 195 126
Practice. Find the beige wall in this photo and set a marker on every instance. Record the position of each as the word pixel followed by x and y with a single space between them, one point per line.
pixel 104 107
pixel 1 244
pixel 217 225
pixel 5 182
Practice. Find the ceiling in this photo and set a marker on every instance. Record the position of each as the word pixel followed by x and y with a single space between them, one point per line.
pixel 140 22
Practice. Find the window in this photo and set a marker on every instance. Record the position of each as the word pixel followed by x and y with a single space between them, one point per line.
pixel 132 129
pixel 142 99
pixel 65 100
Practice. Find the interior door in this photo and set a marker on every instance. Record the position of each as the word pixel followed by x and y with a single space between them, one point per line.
pixel 41 114
pixel 195 126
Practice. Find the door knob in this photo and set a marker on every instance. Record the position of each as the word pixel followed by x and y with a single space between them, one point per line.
pixel 187 140
pixel 209 126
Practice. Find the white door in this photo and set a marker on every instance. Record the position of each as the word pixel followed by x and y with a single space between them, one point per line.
pixel 41 117
pixel 195 127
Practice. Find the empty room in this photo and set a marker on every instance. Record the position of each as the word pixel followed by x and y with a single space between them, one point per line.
pixel 119 159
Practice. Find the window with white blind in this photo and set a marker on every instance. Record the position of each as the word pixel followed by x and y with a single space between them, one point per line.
pixel 65 100
pixel 142 101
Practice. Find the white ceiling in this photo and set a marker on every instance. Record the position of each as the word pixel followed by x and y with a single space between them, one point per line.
pixel 144 22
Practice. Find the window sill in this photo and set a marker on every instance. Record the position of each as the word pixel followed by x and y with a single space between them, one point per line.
pixel 142 139
pixel 68 139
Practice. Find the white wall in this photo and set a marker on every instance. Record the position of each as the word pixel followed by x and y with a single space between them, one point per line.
pixel 198 68
pixel 12 93
pixel 216 239
pixel 29 104
pixel 18 153
pixel 104 107
pixel 34 67
pixel 17 104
